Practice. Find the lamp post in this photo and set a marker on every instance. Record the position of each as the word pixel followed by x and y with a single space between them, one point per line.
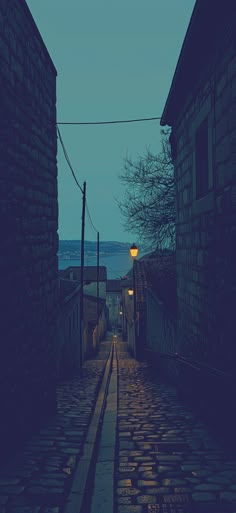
pixel 134 253
pixel 82 277
pixel 98 245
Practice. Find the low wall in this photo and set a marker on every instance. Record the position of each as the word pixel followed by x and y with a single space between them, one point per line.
pixel 68 347
pixel 131 337
pixel 209 390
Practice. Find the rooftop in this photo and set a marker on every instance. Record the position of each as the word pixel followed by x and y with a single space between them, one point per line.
pixel 203 36
pixel 90 273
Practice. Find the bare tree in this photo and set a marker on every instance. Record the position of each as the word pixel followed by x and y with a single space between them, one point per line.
pixel 148 207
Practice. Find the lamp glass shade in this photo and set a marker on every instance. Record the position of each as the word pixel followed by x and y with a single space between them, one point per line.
pixel 133 251
pixel 130 292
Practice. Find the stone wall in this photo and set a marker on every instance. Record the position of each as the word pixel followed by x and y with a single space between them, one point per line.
pixel 68 341
pixel 127 319
pixel 28 223
pixel 206 227
pixel 91 289
pixel 161 326
pixel 93 331
pixel 113 302
pixel 100 329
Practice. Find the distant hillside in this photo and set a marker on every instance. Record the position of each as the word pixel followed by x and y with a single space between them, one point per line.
pixel 70 249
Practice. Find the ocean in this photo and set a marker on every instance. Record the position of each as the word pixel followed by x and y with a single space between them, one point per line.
pixel 117 265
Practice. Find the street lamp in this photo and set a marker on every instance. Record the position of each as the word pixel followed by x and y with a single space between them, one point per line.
pixel 130 292
pixel 134 253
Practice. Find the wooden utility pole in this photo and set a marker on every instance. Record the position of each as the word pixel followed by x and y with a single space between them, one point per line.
pixel 134 311
pixel 98 249
pixel 82 275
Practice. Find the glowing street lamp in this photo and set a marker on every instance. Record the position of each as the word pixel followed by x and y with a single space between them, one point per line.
pixel 133 251
pixel 130 292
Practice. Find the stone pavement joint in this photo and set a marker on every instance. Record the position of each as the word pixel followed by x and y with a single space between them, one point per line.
pixel 77 495
pixel 103 491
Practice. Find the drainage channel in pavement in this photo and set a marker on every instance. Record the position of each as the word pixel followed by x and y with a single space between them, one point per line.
pixel 103 491
pixel 92 486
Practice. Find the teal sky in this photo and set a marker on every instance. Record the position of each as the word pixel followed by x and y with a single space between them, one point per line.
pixel 115 60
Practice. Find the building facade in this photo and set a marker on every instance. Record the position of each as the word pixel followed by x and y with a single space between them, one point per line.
pixel 95 324
pixel 69 351
pixel 127 317
pixel 95 279
pixel 29 221
pixel 201 109
pixel 113 302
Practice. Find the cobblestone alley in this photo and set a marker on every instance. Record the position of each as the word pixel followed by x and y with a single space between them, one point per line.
pixel 121 442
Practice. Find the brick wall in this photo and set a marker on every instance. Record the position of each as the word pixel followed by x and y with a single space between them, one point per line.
pixel 28 222
pixel 206 227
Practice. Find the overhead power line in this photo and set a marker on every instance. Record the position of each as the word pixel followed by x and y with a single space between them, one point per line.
pixel 90 219
pixel 117 121
pixel 68 160
pixel 74 176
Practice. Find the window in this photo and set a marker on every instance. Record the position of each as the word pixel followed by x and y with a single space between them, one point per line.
pixel 202 159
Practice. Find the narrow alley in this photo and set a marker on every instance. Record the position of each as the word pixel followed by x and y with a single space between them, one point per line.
pixel 121 442
pixel 117 351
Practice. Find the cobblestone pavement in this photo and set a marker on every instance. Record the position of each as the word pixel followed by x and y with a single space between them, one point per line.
pixel 38 478
pixel 167 461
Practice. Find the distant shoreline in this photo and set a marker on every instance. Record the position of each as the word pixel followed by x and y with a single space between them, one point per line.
pixel 113 255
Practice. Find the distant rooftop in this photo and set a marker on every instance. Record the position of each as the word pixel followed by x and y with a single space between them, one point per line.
pixel 90 273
